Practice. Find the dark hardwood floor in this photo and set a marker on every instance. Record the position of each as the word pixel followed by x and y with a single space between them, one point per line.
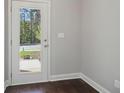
pixel 65 86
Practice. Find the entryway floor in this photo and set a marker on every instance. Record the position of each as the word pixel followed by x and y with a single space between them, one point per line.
pixel 64 86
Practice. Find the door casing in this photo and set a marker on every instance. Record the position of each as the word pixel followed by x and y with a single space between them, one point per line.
pixel 10 37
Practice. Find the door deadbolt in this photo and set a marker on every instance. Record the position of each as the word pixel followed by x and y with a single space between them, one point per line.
pixel 45 40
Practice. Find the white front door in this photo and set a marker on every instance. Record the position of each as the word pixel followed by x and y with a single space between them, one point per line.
pixel 29 42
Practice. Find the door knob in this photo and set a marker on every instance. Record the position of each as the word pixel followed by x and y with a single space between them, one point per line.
pixel 45 45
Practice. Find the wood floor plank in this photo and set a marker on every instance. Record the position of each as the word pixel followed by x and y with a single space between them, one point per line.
pixel 64 86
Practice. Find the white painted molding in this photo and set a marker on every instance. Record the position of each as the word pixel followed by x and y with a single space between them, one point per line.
pixel 6 84
pixel 43 1
pixel 93 84
pixel 64 76
pixel 81 76
pixel 43 81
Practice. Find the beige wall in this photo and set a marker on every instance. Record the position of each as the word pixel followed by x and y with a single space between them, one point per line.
pixel 66 53
pixel 100 42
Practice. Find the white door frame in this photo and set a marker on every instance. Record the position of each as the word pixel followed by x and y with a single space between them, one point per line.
pixel 10 37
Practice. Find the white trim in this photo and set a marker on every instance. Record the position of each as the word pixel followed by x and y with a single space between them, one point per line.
pixel 6 84
pixel 10 31
pixel 37 1
pixel 81 76
pixel 93 84
pixel 65 76
pixel 8 43
pixel 49 40
pixel 9 4
pixel 29 82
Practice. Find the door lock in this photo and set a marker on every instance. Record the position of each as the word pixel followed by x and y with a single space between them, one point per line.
pixel 45 45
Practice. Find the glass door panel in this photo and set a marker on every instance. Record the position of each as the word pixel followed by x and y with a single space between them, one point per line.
pixel 30 40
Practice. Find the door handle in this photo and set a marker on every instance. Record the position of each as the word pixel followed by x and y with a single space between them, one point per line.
pixel 45 46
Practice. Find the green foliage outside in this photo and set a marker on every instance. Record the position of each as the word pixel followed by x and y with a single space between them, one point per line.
pixel 28 54
pixel 30 31
pixel 23 54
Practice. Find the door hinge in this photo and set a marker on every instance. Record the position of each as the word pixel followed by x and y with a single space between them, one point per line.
pixel 11 75
pixel 11 9
pixel 11 42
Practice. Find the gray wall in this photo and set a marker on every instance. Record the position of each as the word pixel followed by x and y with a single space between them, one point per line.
pixel 6 42
pixel 66 53
pixel 100 41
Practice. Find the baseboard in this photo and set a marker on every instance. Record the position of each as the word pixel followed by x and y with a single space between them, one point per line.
pixel 22 83
pixel 83 77
pixel 71 76
pixel 93 84
pixel 64 76
pixel 6 84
